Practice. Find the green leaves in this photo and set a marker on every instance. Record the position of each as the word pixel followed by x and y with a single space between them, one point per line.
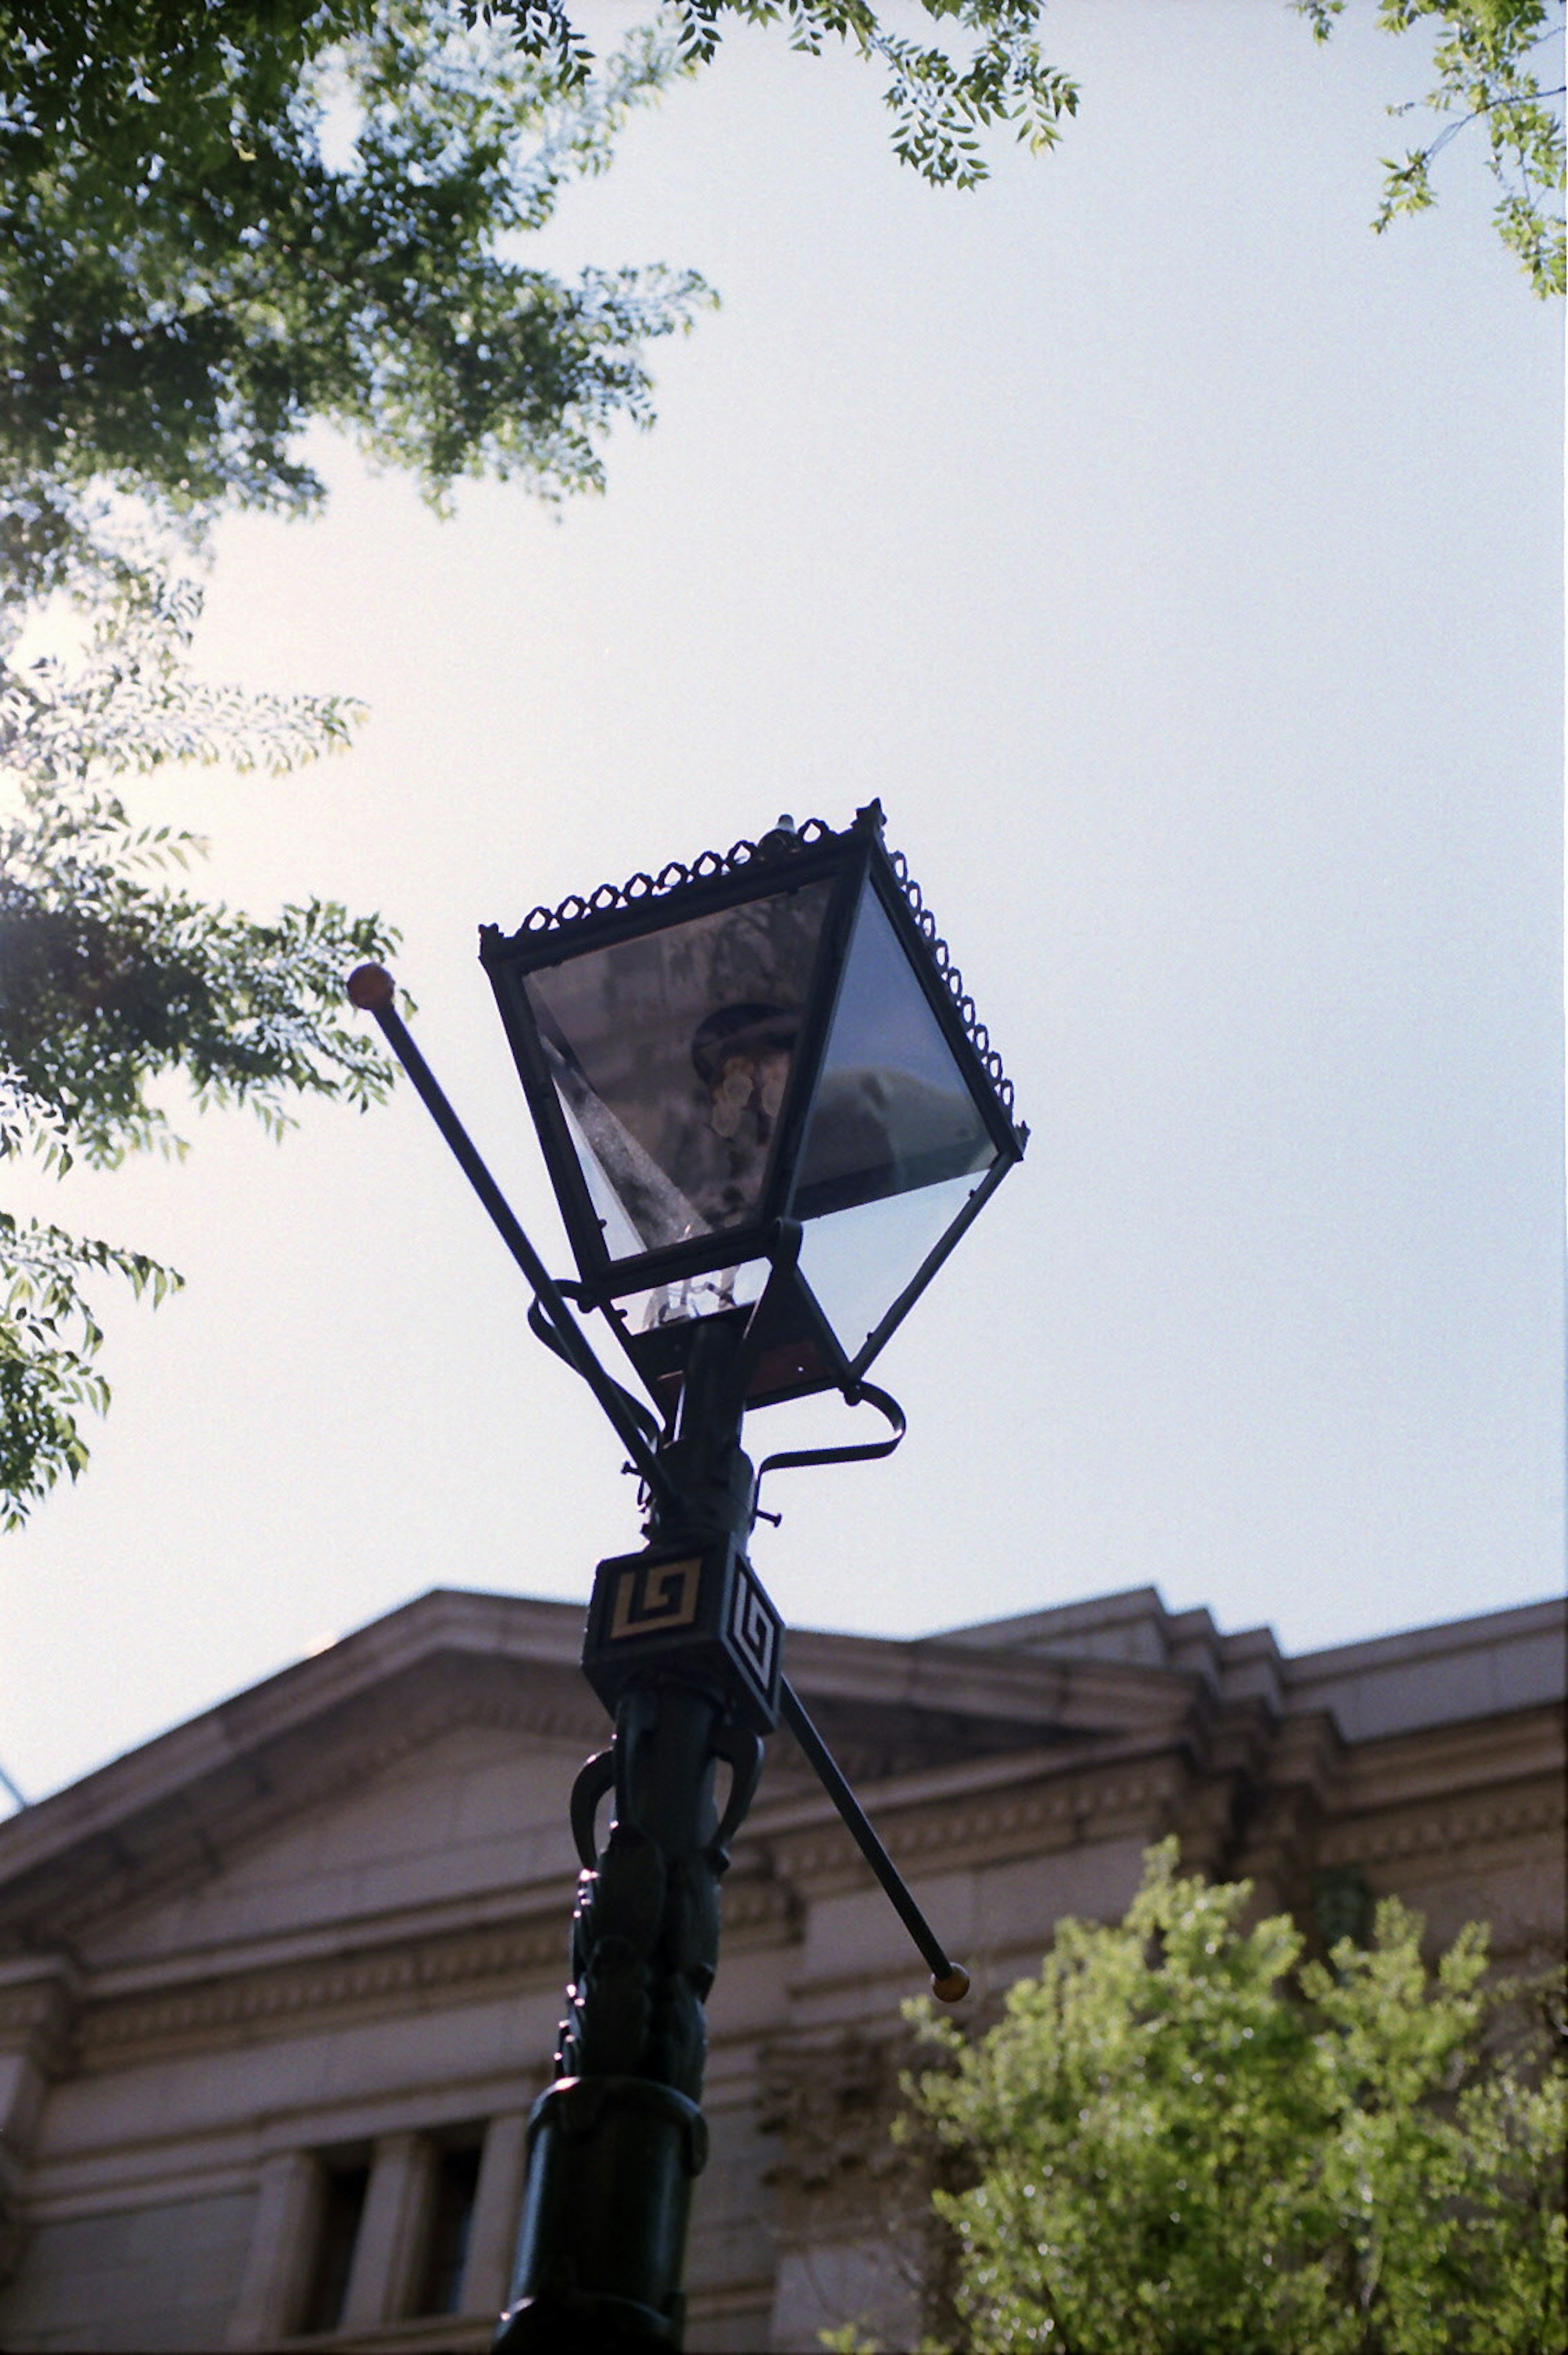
pixel 1178 2138
pixel 939 99
pixel 1491 59
pixel 110 973
pixel 48 1338
pixel 114 972
pixel 940 102
pixel 218 228
pixel 219 225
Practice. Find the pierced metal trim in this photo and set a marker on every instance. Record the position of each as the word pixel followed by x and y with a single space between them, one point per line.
pixel 710 864
pixel 670 877
pixel 942 958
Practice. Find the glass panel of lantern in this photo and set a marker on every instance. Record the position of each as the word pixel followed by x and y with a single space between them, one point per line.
pixel 896 1142
pixel 670 1055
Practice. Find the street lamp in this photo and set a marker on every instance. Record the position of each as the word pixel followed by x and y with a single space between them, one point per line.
pixel 768 1113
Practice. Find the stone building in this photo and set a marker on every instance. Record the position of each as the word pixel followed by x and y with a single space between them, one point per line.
pixel 277 1989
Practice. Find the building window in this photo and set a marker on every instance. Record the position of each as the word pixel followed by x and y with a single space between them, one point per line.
pixel 344 2189
pixel 451 2222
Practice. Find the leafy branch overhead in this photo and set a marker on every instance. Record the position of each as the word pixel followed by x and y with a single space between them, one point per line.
pixel 1498 66
pixel 940 102
pixel 114 973
pixel 188 276
pixel 221 224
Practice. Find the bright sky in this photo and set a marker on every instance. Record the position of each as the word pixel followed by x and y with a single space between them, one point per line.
pixel 1179 562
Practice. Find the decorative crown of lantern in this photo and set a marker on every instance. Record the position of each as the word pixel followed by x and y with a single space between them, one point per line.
pixel 761 1064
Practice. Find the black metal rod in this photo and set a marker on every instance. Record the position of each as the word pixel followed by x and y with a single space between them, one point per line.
pixel 574 1344
pixel 949 1980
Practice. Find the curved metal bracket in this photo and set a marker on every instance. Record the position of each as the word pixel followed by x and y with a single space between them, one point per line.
pixel 541 1329
pixel 862 1452
pixel 594 1777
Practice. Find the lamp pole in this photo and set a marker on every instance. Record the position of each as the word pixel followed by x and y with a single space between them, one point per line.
pixel 751 987
pixel 617 2141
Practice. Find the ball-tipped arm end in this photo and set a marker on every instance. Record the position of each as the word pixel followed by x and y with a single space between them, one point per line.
pixel 371 988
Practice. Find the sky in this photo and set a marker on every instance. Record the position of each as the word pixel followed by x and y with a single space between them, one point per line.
pixel 1179 562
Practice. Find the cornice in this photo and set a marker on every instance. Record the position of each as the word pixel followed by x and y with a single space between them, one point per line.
pixel 1084 1695
pixel 502 1959
pixel 326 1943
pixel 546 1634
pixel 1488 1632
pixel 1407 1768
pixel 804 1804
pixel 1028 1812
pixel 282 2001
pixel 1205 1777
pixel 1438 1830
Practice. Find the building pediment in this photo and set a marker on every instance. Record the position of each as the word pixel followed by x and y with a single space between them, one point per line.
pixel 294 1765
pixel 320 1783
pixel 348 1785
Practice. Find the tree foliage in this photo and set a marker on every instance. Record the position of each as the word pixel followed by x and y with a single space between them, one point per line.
pixel 114 974
pixel 1499 64
pixel 1181 2139
pixel 189 275
pixel 940 102
pixel 220 223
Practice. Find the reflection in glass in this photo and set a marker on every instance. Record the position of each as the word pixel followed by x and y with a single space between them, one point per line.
pixel 892 1111
pixel 696 1295
pixel 857 1260
pixel 671 1055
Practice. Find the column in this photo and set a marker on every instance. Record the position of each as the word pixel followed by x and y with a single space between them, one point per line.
pixel 392 2234
pixel 282 2243
pixel 497 2201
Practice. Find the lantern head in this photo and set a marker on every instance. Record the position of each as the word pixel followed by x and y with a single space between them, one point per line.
pixel 774 1035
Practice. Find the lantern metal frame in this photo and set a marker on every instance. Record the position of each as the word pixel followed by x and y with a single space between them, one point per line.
pixel 798 1351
